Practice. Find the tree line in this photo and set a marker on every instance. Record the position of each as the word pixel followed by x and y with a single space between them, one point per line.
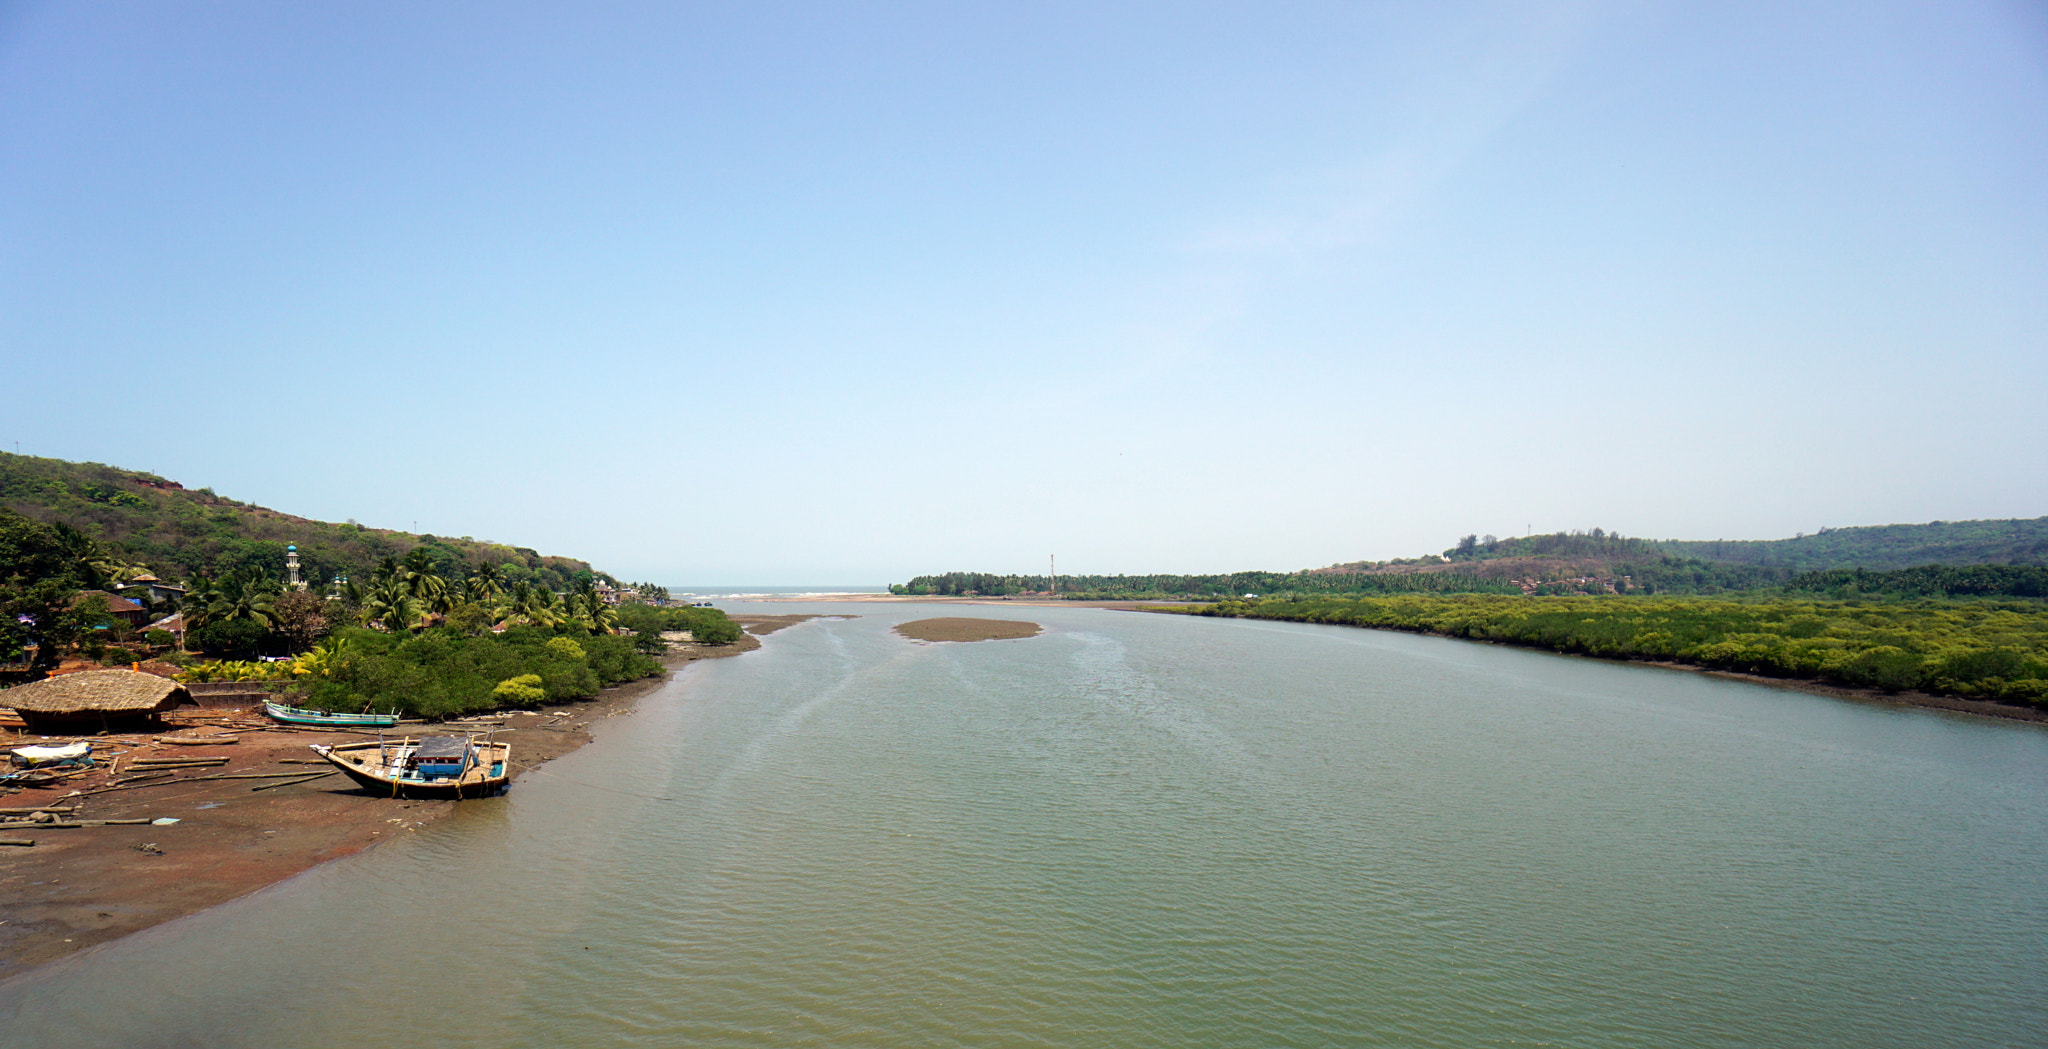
pixel 1928 581
pixel 416 636
pixel 1873 547
pixel 1980 649
pixel 1597 542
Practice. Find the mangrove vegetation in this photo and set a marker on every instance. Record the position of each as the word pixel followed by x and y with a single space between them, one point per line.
pixel 1980 649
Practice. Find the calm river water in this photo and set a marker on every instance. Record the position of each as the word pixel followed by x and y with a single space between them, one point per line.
pixel 1142 830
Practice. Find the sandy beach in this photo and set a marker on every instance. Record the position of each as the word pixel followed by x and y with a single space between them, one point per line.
pixel 79 886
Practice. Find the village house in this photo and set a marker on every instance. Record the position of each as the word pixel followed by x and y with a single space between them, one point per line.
pixel 95 699
pixel 118 607
pixel 150 590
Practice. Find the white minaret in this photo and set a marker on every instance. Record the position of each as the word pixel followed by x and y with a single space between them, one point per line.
pixel 291 567
pixel 1052 562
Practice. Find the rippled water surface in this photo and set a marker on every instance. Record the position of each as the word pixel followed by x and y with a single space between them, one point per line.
pixel 1153 831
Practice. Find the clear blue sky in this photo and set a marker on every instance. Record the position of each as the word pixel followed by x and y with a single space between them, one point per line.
pixel 786 293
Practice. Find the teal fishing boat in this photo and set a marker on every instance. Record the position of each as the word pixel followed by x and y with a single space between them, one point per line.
pixel 326 719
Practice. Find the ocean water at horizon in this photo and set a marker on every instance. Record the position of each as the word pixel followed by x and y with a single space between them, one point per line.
pixel 738 592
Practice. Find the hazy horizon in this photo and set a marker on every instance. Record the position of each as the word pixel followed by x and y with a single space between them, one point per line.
pixel 816 291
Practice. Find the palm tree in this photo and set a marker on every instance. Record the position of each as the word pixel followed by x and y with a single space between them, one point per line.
pixel 420 575
pixel 244 595
pixel 325 658
pixel 390 604
pixel 486 583
pixel 507 606
pixel 590 610
pixel 544 608
pixel 199 602
pixel 531 604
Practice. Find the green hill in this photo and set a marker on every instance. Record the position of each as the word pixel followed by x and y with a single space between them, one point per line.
pixel 181 533
pixel 2019 541
pixel 1599 561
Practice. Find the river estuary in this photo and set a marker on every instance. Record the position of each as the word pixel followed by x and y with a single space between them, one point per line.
pixel 1138 830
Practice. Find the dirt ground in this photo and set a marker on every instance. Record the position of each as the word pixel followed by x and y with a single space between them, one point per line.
pixel 79 886
pixel 967 629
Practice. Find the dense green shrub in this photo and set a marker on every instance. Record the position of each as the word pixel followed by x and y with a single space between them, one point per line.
pixel 227 635
pixel 442 673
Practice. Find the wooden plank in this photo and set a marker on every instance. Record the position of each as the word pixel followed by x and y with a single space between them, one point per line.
pixel 302 779
pixel 242 775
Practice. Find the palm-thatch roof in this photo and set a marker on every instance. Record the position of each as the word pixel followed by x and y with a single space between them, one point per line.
pixel 92 694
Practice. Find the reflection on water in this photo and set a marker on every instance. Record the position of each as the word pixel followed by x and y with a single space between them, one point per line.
pixel 1138 831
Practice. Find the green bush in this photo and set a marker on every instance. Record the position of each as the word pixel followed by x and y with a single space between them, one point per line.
pixel 1973 647
pixel 443 673
pixel 227 635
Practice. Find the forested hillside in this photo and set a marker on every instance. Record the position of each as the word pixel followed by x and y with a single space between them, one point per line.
pixel 1928 581
pixel 1598 561
pixel 1882 547
pixel 180 533
pixel 1876 548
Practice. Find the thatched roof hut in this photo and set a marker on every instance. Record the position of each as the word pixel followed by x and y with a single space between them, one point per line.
pixel 93 698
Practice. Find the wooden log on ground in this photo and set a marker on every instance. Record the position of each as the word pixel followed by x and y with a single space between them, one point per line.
pixel 44 777
pixel 30 842
pixel 124 785
pixel 241 775
pixel 39 808
pixel 301 779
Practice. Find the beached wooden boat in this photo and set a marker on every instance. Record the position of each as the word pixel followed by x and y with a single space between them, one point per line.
pixel 52 756
pixel 41 766
pixel 431 767
pixel 300 716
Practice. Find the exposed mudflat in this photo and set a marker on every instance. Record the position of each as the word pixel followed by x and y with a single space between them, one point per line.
pixel 965 629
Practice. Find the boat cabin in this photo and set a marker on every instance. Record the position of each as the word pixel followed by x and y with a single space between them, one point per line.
pixel 439 756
